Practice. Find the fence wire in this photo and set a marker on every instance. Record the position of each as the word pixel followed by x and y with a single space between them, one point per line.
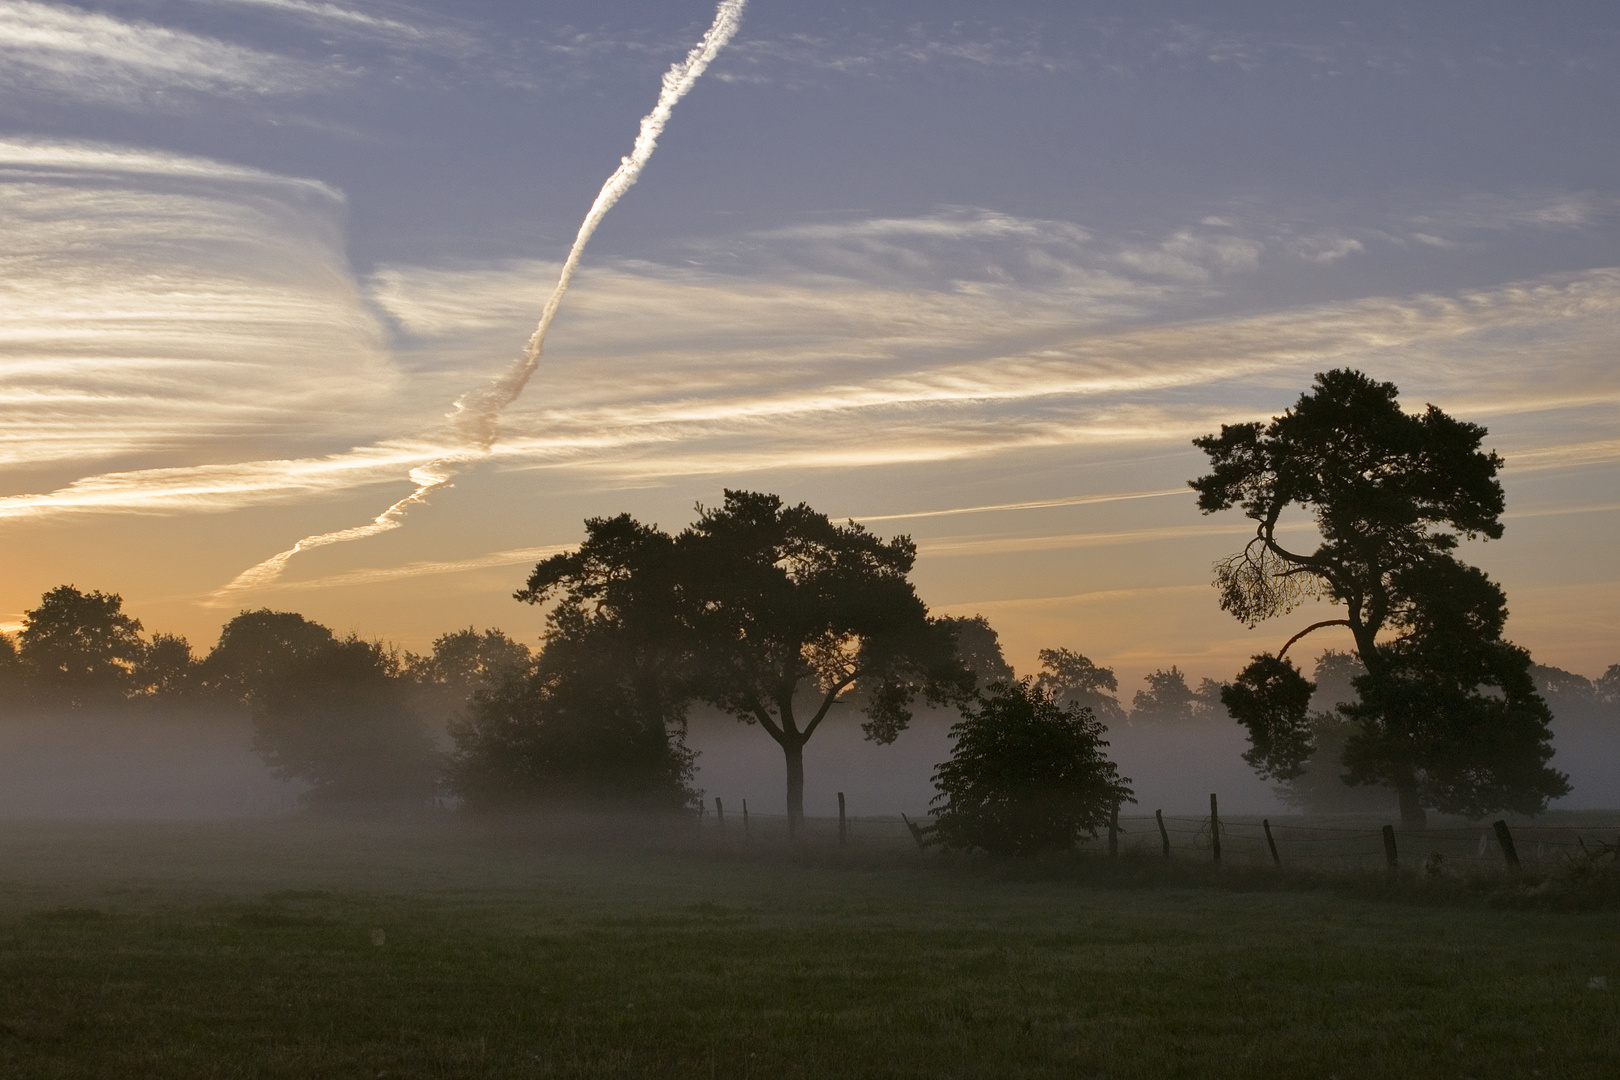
pixel 1300 840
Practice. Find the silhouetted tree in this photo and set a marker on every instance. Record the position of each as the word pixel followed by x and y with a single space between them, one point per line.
pixel 166 669
pixel 1168 699
pixel 1026 775
pixel 462 664
pixel 978 647
pixel 781 600
pixel 1320 787
pixel 582 728
pixel 1072 679
pixel 339 718
pixel 1385 489
pixel 256 651
pixel 79 649
pixel 12 685
pixel 604 714
pixel 1607 686
pixel 1566 693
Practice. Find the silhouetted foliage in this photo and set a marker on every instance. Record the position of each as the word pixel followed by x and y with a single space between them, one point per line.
pixel 1168 699
pixel 1607 686
pixel 79 649
pixel 12 683
pixel 753 605
pixel 1026 775
pixel 1386 490
pixel 257 649
pixel 978 647
pixel 338 717
pixel 1273 700
pixel 585 727
pixel 604 714
pixel 1072 679
pixel 1566 693
pixel 166 670
pixel 464 663
pixel 1320 786
pixel 781 599
pixel 1455 703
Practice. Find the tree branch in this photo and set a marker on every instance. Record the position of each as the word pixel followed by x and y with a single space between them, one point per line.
pixel 827 703
pixel 1314 626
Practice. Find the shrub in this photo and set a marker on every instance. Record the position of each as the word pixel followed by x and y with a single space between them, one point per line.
pixel 1026 775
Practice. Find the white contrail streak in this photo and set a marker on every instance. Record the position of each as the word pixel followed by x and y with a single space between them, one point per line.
pixel 475 419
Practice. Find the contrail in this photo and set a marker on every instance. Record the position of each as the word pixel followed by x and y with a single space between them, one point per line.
pixel 475 419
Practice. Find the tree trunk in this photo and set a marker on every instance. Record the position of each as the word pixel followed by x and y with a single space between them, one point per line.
pixel 1413 818
pixel 794 753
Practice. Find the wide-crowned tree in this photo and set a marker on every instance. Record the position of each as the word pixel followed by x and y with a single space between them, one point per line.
pixel 770 612
pixel 339 718
pixel 1389 494
pixel 78 649
pixel 256 650
pixel 790 611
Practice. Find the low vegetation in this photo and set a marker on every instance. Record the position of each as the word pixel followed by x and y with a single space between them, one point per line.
pixel 438 950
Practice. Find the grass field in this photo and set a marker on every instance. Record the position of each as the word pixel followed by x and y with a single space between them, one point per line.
pixel 163 950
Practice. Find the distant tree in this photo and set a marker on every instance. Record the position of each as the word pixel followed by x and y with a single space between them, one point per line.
pixel 1385 490
pixel 338 717
pixel 12 685
pixel 1207 698
pixel 166 669
pixel 1565 692
pixel 257 650
pixel 1026 775
pixel 1320 786
pixel 978 647
pixel 1335 676
pixel 462 664
pixel 79 649
pixel 1072 679
pixel 1607 686
pixel 1168 699
pixel 784 602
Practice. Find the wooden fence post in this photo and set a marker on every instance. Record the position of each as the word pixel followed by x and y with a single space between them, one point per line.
pixel 1265 823
pixel 1391 856
pixel 1164 834
pixel 843 829
pixel 1113 831
pixel 1214 828
pixel 745 819
pixel 1505 839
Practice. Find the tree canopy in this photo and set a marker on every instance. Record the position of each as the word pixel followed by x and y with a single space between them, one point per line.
pixel 770 612
pixel 80 649
pixel 1389 494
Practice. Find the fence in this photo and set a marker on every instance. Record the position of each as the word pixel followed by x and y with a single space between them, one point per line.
pixel 1317 842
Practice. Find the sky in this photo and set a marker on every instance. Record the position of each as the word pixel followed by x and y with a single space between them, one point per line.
pixel 973 273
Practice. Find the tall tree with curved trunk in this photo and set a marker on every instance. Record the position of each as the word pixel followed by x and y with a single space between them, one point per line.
pixel 1389 494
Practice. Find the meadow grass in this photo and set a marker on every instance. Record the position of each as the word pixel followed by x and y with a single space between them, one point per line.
pixel 250 950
